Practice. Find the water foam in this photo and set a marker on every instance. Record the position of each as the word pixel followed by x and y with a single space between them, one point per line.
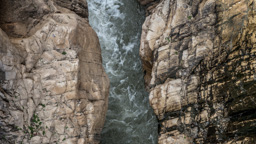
pixel 130 119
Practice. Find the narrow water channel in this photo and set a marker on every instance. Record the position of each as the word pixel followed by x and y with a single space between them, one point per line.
pixel 130 119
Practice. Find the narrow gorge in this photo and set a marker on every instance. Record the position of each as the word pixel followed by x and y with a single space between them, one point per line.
pixel 127 71
pixel 130 119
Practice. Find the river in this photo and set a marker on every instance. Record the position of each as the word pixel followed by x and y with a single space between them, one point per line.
pixel 130 119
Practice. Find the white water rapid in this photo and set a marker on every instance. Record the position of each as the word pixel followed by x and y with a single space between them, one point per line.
pixel 130 119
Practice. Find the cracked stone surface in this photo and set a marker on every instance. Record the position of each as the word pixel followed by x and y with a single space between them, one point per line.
pixel 199 64
pixel 53 86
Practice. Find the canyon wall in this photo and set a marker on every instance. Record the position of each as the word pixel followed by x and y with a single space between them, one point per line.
pixel 53 86
pixel 199 63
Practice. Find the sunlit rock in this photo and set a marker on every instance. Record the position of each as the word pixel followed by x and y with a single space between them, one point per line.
pixel 44 50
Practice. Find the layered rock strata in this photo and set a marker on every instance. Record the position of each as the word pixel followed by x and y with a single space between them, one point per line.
pixel 53 86
pixel 199 63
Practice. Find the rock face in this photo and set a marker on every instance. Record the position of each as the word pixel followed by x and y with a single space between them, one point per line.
pixel 199 63
pixel 144 2
pixel 53 86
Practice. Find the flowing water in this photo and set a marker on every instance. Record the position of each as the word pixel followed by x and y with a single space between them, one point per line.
pixel 130 119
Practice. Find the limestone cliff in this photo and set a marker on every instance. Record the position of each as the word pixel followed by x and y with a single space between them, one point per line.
pixel 53 86
pixel 199 64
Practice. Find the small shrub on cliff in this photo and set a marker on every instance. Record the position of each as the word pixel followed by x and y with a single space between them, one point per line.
pixel 34 127
pixel 64 53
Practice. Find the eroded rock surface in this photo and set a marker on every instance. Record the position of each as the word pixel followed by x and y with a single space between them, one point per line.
pixel 53 86
pixel 144 2
pixel 199 63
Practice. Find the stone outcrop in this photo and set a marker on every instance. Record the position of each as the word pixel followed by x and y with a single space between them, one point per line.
pixel 199 63
pixel 53 86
